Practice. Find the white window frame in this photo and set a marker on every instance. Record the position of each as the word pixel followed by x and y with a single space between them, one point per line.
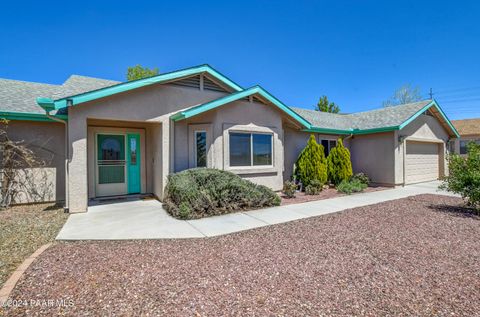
pixel 195 132
pixel 251 149
pixel 329 140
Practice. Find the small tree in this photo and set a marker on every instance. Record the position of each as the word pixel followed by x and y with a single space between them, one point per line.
pixel 139 72
pixel 326 106
pixel 464 175
pixel 403 95
pixel 339 164
pixel 311 163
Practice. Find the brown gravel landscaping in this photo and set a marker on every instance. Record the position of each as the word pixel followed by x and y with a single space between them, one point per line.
pixel 417 256
pixel 23 229
pixel 324 194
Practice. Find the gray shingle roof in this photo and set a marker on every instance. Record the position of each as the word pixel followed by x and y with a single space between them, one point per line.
pixel 20 96
pixel 76 84
pixel 373 119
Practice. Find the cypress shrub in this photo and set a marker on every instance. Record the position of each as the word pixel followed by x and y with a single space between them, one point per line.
pixel 311 163
pixel 339 164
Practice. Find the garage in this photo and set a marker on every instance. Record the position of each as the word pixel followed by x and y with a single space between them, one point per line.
pixel 422 162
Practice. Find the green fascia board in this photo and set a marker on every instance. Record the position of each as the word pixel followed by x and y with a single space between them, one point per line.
pixel 327 131
pixel 28 116
pixel 374 130
pixel 349 131
pixel 236 96
pixel 433 103
pixel 122 87
pixel 46 103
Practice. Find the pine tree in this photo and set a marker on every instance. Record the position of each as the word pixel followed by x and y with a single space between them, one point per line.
pixel 339 164
pixel 311 163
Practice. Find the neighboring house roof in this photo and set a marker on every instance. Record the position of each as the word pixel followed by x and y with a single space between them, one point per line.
pixel 49 103
pixel 467 126
pixel 256 90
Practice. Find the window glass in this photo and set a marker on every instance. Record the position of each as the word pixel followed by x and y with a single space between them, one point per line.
pixel 240 149
pixel 463 147
pixel 133 151
pixel 328 145
pixel 201 148
pixel 332 144
pixel 325 146
pixel 262 149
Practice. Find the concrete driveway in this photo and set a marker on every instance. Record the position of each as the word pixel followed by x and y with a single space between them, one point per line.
pixel 146 219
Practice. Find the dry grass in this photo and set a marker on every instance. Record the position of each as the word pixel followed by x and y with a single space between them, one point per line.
pixel 23 229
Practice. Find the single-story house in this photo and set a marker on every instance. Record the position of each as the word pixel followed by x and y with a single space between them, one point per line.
pixel 469 130
pixel 106 138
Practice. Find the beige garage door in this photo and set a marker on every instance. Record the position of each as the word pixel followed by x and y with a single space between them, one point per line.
pixel 422 162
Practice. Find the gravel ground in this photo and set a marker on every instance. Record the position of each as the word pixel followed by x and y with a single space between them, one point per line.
pixel 416 256
pixel 23 229
pixel 324 194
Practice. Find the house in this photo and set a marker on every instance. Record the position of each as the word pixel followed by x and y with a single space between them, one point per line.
pixel 126 138
pixel 469 130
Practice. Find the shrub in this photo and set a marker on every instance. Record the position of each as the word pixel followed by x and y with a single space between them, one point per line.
pixel 351 186
pixel 339 164
pixel 314 188
pixel 362 177
pixel 311 163
pixel 202 192
pixel 464 175
pixel 289 189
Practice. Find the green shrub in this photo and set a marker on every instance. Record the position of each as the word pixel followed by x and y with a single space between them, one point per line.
pixel 362 177
pixel 464 175
pixel 289 189
pixel 339 164
pixel 314 188
pixel 351 186
pixel 311 163
pixel 202 192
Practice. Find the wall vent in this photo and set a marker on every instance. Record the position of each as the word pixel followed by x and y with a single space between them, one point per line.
pixel 193 82
pixel 208 84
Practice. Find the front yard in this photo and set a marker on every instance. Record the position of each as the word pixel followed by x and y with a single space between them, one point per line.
pixel 23 229
pixel 413 256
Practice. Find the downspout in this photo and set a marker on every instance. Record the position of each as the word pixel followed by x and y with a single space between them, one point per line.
pixel 49 107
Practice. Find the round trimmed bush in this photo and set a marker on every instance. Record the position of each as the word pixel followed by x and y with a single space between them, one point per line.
pixel 203 192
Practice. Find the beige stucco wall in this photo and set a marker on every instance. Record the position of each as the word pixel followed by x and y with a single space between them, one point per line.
pixel 147 104
pixel 238 116
pixel 373 154
pixel 46 139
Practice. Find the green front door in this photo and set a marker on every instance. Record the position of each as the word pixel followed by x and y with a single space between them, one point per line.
pixel 133 163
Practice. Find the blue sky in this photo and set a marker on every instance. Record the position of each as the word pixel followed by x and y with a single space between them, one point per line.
pixel 355 52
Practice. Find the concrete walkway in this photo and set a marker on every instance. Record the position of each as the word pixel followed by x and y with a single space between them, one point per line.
pixel 146 219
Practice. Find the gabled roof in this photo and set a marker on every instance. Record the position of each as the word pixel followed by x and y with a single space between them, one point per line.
pixel 256 90
pixel 126 86
pixel 467 127
pixel 77 84
pixel 379 120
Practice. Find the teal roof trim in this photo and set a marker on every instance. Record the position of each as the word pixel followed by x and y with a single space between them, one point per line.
pixel 122 87
pixel 327 131
pixel 25 116
pixel 428 106
pixel 236 96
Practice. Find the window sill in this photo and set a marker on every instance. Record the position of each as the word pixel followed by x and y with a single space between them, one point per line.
pixel 251 169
